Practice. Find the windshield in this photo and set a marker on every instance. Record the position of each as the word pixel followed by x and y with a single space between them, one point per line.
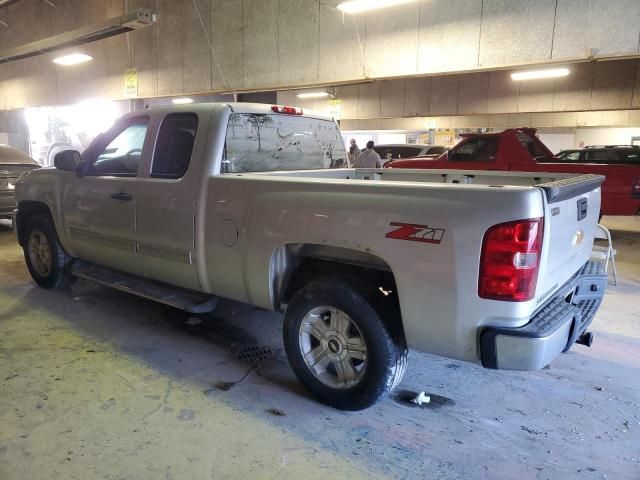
pixel 267 143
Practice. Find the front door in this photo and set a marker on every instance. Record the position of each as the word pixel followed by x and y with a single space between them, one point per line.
pixel 478 153
pixel 100 206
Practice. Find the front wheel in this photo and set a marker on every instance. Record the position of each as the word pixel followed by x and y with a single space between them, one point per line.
pixel 48 263
pixel 339 344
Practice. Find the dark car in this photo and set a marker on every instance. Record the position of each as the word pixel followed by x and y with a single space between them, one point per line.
pixel 407 150
pixel 13 163
pixel 603 154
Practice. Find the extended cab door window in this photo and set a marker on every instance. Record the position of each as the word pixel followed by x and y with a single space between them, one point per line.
pixel 174 146
pixel 119 153
pixel 480 149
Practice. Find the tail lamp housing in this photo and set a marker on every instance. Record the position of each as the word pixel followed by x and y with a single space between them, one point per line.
pixel 510 260
pixel 635 188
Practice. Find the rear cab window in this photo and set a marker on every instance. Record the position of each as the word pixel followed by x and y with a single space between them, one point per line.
pixel 276 142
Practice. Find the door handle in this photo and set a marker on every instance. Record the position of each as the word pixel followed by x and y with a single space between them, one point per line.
pixel 122 196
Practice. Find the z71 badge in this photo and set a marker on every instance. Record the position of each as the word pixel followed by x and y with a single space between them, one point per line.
pixel 416 233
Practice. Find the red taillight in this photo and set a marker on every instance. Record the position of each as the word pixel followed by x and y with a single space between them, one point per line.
pixel 287 110
pixel 510 259
pixel 635 189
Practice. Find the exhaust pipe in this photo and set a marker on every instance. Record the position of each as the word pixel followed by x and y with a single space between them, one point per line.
pixel 585 339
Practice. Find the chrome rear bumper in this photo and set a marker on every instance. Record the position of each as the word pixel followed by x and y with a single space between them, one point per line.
pixel 553 329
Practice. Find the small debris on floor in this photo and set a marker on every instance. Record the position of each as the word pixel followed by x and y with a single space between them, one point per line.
pixel 225 386
pixel 193 321
pixel 277 412
pixel 409 398
pixel 532 431
pixel 421 399
pixel 600 389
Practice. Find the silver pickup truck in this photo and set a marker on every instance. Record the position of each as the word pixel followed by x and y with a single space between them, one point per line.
pixel 187 204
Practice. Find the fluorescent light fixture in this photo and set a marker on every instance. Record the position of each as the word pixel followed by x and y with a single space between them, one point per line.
pixel 182 101
pixel 72 59
pixel 359 6
pixel 537 74
pixel 314 95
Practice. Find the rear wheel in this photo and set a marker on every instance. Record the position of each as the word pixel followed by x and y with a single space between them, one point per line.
pixel 48 263
pixel 339 344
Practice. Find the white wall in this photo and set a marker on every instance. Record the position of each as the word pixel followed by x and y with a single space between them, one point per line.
pixel 558 141
pixel 605 136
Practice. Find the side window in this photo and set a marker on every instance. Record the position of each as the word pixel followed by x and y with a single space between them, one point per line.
pixel 602 156
pixel 569 156
pixel 174 145
pixel 121 155
pixel 477 149
pixel 631 156
pixel 437 150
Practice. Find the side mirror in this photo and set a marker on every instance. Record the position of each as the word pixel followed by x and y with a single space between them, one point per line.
pixel 67 160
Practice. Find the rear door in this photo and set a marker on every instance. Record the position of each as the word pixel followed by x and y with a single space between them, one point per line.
pixel 166 199
pixel 99 207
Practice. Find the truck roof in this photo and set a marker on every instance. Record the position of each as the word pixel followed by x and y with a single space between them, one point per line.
pixel 237 107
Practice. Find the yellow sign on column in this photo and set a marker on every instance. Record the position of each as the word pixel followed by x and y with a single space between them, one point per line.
pixel 130 82
pixel 334 108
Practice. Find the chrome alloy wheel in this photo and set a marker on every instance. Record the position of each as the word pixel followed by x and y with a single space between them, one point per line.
pixel 333 347
pixel 40 253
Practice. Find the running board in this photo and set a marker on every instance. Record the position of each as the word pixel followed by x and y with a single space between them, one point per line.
pixel 187 300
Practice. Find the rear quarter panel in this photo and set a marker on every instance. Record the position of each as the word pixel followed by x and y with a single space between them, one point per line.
pixel 437 282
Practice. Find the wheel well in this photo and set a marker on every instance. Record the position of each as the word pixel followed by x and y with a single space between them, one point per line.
pixel 294 266
pixel 26 210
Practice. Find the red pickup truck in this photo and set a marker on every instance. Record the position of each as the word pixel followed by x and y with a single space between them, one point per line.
pixel 520 150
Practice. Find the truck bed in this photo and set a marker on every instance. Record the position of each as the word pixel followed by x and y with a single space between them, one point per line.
pixel 557 186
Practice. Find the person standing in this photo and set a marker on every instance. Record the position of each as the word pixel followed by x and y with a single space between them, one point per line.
pixel 368 158
pixel 354 151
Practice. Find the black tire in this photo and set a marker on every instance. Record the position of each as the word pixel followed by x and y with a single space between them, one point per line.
pixel 378 325
pixel 59 274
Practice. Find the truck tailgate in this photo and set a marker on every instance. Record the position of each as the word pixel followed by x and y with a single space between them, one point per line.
pixel 572 209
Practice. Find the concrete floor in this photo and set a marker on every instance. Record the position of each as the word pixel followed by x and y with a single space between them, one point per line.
pixel 96 384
